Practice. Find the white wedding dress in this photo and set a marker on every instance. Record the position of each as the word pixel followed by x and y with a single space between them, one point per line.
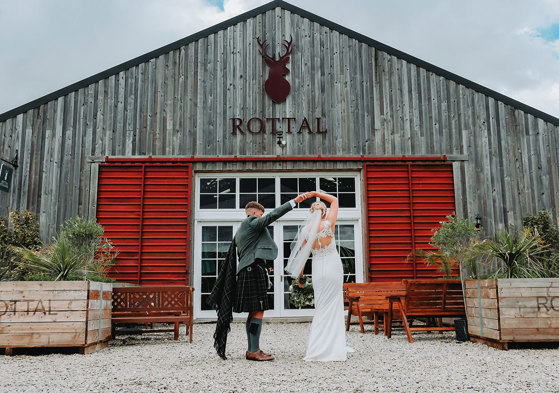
pixel 327 336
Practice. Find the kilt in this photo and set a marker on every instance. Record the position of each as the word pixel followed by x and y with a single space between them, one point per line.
pixel 252 288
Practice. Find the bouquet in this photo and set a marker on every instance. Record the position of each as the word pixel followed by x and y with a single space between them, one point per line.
pixel 301 297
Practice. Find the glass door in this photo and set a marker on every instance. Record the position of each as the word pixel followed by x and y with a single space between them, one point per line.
pixel 347 237
pixel 219 210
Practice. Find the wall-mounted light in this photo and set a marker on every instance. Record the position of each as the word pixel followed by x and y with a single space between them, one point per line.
pixel 281 142
pixel 478 223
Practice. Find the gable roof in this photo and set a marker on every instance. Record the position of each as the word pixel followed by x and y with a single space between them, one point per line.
pixel 305 14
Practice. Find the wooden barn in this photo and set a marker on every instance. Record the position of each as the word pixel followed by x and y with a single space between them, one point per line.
pixel 165 150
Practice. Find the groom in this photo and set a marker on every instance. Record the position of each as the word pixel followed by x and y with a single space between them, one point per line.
pixel 244 287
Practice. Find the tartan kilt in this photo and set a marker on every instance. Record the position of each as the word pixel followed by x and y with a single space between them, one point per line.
pixel 252 285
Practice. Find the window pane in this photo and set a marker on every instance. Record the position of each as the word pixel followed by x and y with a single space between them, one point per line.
pixel 346 184
pixel 349 278
pixel 306 204
pixel 227 186
pixel 267 200
pixel 225 233
pixel 266 185
pixel 347 200
pixel 345 232
pixel 227 201
pixel 307 184
pixel 287 197
pixel 209 250
pixel 204 305
pixel 328 184
pixel 347 249
pixel 208 284
pixel 209 267
pixel 246 198
pixel 248 185
pixel 208 201
pixel 289 185
pixel 208 185
pixel 222 249
pixel 209 234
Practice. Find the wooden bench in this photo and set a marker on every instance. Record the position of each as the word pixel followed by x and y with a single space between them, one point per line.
pixel 427 299
pixel 370 299
pixel 150 305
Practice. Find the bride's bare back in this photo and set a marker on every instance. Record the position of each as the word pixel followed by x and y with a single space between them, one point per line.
pixel 325 235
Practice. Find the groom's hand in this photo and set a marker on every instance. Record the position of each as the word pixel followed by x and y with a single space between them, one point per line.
pixel 300 198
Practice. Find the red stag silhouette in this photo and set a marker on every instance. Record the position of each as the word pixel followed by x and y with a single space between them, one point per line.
pixel 276 86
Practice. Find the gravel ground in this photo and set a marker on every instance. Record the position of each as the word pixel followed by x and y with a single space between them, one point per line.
pixel 156 363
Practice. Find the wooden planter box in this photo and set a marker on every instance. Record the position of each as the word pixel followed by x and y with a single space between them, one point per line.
pixel 513 310
pixel 55 314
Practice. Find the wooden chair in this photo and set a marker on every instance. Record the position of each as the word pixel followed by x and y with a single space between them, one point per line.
pixel 376 302
pixel 427 299
pixel 150 305
pixel 370 299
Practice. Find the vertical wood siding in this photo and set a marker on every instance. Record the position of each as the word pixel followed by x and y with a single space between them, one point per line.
pixel 371 102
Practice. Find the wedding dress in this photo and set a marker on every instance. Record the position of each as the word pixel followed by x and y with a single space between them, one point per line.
pixel 327 336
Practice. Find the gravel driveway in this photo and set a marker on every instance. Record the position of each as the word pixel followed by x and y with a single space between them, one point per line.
pixel 156 363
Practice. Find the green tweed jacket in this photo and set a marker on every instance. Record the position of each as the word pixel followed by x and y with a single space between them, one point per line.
pixel 253 240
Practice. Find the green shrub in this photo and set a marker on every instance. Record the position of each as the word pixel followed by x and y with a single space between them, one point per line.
pixel 59 261
pixel 24 233
pixel 453 243
pixel 80 252
pixel 547 265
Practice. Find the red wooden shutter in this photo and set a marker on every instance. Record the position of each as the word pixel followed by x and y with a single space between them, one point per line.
pixel 405 202
pixel 145 210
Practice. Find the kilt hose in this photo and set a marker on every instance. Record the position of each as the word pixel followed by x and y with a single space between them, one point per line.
pixel 252 288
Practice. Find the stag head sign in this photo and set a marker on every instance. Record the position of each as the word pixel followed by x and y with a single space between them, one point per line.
pixel 276 86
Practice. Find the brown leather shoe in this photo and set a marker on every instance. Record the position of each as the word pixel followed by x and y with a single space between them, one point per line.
pixel 263 353
pixel 259 356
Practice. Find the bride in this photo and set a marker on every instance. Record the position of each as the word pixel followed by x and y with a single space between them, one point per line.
pixel 327 336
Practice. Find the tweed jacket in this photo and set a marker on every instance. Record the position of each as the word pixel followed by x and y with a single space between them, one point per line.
pixel 253 240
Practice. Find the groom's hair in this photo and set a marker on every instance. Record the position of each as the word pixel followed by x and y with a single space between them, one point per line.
pixel 254 205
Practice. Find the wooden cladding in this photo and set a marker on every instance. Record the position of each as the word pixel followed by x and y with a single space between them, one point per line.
pixel 405 202
pixel 374 103
pixel 145 210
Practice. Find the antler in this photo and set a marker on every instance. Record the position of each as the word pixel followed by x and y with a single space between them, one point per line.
pixel 264 49
pixel 288 48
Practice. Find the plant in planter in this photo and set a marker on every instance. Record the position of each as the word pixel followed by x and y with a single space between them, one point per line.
pixel 517 304
pixel 516 253
pixel 547 265
pixel 79 253
pixel 61 312
pixel 453 243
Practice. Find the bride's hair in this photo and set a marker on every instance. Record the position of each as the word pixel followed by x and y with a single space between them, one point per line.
pixel 319 206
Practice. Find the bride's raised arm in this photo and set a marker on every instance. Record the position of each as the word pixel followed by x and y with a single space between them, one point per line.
pixel 333 201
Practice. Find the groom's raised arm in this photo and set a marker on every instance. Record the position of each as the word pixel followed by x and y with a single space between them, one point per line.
pixel 275 214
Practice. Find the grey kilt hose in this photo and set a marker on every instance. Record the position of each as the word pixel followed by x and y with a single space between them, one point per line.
pixel 252 288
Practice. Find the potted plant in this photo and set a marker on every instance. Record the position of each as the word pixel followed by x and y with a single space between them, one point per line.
pixel 453 244
pixel 516 301
pixel 56 305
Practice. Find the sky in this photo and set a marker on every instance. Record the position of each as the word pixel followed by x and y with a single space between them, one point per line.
pixel 510 46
